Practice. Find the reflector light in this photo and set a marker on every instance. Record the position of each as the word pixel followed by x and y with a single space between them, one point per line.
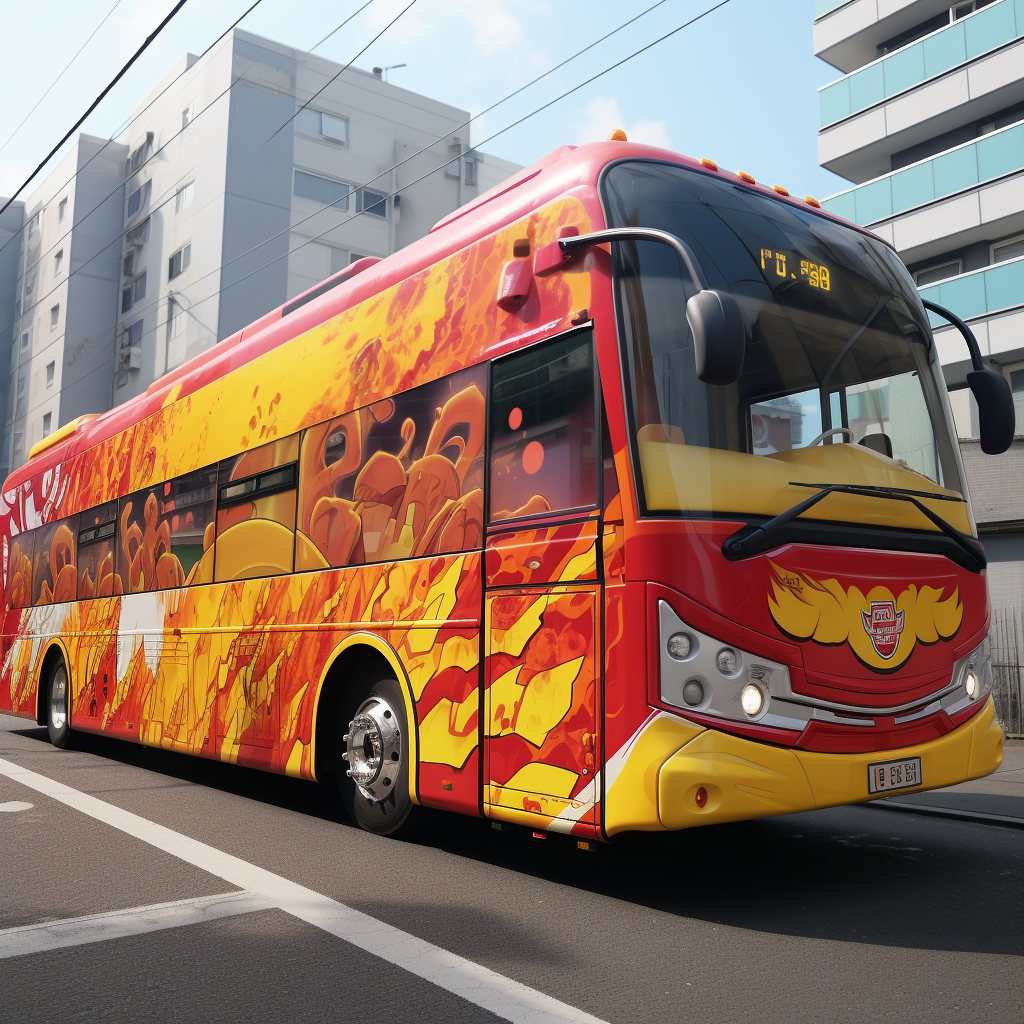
pixel 701 796
pixel 780 190
pixel 709 164
pixel 811 201
pixel 746 177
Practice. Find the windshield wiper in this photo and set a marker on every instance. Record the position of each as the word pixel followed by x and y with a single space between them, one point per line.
pixel 753 540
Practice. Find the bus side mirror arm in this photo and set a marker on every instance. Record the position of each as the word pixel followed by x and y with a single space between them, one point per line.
pixel 719 331
pixel 990 389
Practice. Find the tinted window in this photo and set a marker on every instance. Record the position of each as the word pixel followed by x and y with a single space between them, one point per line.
pixel 400 478
pixel 543 442
pixel 97 537
pixel 19 570
pixel 54 573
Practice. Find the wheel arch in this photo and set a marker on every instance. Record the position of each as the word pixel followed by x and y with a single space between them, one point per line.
pixel 348 662
pixel 55 651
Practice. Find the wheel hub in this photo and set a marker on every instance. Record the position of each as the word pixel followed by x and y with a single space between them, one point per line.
pixel 373 749
pixel 59 701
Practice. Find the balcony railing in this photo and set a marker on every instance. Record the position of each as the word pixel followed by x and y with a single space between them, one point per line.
pixel 980 292
pixel 962 167
pixel 823 7
pixel 919 61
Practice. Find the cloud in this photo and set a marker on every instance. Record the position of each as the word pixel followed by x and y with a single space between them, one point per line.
pixel 603 115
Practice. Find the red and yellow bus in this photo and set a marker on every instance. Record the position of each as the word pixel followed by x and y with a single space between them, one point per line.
pixel 627 499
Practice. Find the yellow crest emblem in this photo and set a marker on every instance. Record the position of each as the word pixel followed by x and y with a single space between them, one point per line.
pixel 881 628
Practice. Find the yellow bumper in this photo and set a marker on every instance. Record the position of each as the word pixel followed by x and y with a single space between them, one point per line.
pixel 745 779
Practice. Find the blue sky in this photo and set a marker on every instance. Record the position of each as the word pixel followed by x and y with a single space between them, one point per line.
pixel 739 86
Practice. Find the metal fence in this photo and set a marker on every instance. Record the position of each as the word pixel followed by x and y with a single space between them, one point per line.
pixel 1007 637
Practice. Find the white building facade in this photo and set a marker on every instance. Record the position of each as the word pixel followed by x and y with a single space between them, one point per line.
pixel 249 176
pixel 927 122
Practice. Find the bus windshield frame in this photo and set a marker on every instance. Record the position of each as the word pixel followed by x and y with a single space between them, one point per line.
pixel 841 382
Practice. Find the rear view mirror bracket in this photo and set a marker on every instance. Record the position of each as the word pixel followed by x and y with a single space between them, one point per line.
pixel 716 322
pixel 990 389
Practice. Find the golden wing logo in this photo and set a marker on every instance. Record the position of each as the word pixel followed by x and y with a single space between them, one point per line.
pixel 881 629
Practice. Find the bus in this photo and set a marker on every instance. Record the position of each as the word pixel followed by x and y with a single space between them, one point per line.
pixel 629 498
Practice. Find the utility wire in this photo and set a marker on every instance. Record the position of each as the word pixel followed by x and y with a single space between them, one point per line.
pixel 340 27
pixel 61 75
pixel 96 102
pixel 345 68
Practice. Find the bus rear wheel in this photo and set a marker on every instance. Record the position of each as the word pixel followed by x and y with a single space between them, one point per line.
pixel 373 759
pixel 58 705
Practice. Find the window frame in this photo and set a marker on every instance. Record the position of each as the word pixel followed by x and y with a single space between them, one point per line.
pixel 1002 243
pixel 957 262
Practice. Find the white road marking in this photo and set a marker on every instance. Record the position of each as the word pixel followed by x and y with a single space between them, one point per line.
pixel 479 985
pixel 15 805
pixel 118 924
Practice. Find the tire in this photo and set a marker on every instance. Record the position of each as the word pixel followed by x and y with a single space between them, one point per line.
pixel 58 705
pixel 372 766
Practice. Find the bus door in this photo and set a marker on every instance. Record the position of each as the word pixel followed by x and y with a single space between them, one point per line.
pixel 542 589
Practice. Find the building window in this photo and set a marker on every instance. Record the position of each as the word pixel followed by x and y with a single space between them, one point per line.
pixel 128 265
pixel 454 150
pixel 133 292
pixel 177 337
pixel 958 11
pixel 179 262
pixel 20 408
pixel 339 259
pixel 183 197
pixel 24 341
pixel 321 125
pixel 1008 249
pixel 325 191
pixel 368 201
pixel 139 198
pixel 62 209
pixel 50 370
pixel 937 272
pixel 470 170
pixel 46 423
pixel 139 155
pixel 188 115
pixel 138 235
pixel 18 446
pixel 58 262
pixel 355 258
pixel 54 316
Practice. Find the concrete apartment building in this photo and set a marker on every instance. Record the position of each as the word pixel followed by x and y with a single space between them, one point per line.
pixel 65 242
pixel 235 203
pixel 927 121
pixel 10 249
pixel 226 201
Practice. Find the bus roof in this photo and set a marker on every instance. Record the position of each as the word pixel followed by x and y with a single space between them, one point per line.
pixel 563 170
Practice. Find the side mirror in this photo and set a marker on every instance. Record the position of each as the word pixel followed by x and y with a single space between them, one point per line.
pixel 995 409
pixel 719 336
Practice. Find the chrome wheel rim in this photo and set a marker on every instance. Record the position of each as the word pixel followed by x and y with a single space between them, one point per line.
pixel 59 700
pixel 373 749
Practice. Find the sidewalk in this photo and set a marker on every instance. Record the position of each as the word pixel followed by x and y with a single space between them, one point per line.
pixel 1001 793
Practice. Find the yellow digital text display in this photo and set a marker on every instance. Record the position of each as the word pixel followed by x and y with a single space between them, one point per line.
pixel 784 265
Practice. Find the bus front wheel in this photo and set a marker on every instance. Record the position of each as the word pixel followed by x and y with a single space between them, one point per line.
pixel 58 705
pixel 373 759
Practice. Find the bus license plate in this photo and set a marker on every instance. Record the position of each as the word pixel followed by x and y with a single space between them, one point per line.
pixel 887 775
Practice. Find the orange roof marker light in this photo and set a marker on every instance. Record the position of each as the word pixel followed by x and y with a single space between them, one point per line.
pixel 780 190
pixel 617 136
pixel 746 177
pixel 709 164
pixel 811 201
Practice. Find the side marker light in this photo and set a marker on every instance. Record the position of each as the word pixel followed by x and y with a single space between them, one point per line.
pixel 709 164
pixel 811 201
pixel 700 797
pixel 746 177
pixel 780 190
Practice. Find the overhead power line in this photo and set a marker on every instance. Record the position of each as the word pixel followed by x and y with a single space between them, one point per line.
pixel 96 102
pixel 340 27
pixel 61 75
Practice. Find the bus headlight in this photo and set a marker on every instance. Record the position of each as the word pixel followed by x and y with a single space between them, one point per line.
pixel 752 700
pixel 971 681
pixel 972 684
pixel 680 646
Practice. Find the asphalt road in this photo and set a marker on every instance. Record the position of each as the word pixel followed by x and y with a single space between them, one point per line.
pixel 852 914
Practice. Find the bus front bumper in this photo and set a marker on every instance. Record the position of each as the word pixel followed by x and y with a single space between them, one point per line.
pixel 743 779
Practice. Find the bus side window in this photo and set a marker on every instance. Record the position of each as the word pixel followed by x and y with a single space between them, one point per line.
pixel 167 533
pixel 256 497
pixel 97 536
pixel 19 570
pixel 398 479
pixel 54 572
pixel 543 429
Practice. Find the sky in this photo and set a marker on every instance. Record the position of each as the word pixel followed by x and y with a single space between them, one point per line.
pixel 738 86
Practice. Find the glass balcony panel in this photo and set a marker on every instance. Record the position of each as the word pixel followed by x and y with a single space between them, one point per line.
pixel 823 7
pixel 1000 153
pixel 965 295
pixel 989 28
pixel 1004 285
pixel 843 205
pixel 902 70
pixel 944 50
pixel 912 187
pixel 955 170
pixel 834 102
pixel 874 202
pixel 867 87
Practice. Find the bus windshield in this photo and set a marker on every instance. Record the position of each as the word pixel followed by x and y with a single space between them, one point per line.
pixel 840 381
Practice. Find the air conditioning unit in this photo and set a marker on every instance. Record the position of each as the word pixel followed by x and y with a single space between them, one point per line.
pixel 129 358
